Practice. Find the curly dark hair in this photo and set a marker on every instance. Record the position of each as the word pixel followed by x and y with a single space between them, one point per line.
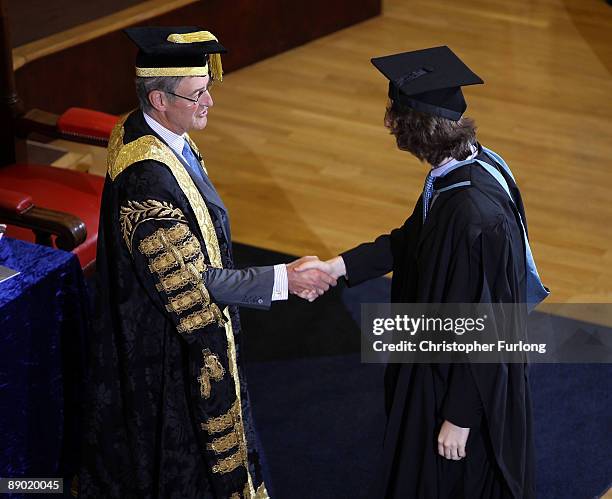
pixel 430 138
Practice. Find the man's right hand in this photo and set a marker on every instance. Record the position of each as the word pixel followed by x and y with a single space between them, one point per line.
pixel 308 283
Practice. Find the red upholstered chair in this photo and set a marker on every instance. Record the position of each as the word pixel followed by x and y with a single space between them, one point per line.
pixel 50 205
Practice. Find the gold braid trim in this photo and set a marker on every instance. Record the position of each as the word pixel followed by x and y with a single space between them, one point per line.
pixel 174 71
pixel 223 444
pixel 175 280
pixel 184 301
pixel 230 463
pixel 199 319
pixel 221 423
pixel 174 246
pixel 154 243
pixel 239 427
pixel 176 253
pixel 211 370
pixel 190 248
pixel 164 262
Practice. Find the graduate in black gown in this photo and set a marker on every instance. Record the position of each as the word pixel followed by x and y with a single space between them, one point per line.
pixel 453 430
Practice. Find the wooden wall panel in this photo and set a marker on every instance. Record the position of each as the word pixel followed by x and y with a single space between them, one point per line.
pixel 99 73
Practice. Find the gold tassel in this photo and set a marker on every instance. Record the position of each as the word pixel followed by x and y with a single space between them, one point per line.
pixel 216 70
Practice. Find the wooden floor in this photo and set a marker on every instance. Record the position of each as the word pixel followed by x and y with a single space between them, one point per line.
pixel 298 151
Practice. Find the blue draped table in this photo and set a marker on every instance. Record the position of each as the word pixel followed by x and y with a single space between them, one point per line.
pixel 43 322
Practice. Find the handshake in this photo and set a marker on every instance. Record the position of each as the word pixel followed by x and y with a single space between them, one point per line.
pixel 310 277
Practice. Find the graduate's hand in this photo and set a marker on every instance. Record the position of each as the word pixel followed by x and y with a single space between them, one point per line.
pixel 452 440
pixel 310 283
pixel 334 267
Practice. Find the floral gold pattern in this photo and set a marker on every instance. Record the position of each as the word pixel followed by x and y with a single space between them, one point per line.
pixel 136 212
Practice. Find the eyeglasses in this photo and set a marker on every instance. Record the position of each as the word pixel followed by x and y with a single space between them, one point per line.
pixel 199 95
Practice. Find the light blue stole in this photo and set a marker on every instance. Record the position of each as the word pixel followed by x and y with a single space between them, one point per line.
pixel 536 292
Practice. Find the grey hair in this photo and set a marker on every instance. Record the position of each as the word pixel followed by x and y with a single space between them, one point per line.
pixel 145 85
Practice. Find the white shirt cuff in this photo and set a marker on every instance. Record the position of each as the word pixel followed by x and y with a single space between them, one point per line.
pixel 281 283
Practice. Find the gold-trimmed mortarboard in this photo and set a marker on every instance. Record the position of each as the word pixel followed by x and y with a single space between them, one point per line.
pixel 177 51
pixel 428 81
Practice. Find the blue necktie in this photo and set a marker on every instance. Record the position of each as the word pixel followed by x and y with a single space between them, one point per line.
pixel 195 165
pixel 427 193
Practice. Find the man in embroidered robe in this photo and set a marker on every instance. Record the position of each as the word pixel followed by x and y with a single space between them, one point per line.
pixel 167 412
pixel 460 431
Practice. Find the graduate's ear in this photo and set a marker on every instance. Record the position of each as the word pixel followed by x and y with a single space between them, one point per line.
pixel 158 100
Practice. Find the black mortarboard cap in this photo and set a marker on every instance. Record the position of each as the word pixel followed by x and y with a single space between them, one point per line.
pixel 428 80
pixel 176 51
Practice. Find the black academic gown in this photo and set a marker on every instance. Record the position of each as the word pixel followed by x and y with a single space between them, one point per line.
pixel 167 413
pixel 470 250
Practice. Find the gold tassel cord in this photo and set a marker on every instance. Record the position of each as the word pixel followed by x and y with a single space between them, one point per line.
pixel 193 37
pixel 216 70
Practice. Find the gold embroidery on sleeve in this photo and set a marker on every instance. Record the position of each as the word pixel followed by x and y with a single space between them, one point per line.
pixel 184 301
pixel 211 370
pixel 137 212
pixel 190 248
pixel 223 444
pixel 175 280
pixel 167 249
pixel 162 263
pixel 200 319
pixel 150 245
pixel 221 423
pixel 230 463
pixel 199 263
pixel 159 239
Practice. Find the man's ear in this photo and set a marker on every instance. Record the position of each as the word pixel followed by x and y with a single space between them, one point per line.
pixel 158 100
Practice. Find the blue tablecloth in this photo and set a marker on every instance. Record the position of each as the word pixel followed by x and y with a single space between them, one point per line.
pixel 43 321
